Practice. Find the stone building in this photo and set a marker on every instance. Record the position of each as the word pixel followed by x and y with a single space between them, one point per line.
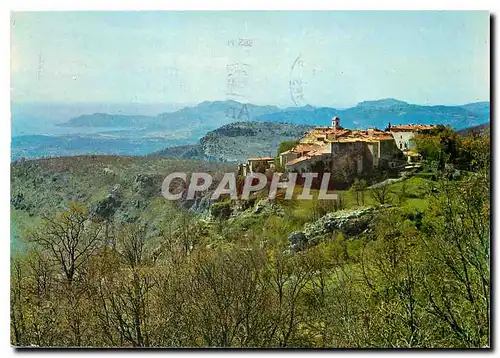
pixel 335 147
pixel 403 135
pixel 260 164
pixel 287 156
pixel 338 149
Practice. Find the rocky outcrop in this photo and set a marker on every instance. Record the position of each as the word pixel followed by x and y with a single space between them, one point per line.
pixel 148 185
pixel 298 241
pixel 266 206
pixel 348 222
pixel 201 205
pixel 105 208
pixel 238 141
pixel 240 209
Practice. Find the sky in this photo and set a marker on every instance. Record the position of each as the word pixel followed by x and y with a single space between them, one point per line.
pixel 340 58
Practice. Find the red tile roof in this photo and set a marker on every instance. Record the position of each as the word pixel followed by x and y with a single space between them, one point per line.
pixel 297 160
pixel 411 127
pixel 260 159
pixel 306 148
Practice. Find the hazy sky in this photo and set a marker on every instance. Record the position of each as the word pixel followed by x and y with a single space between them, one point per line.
pixel 182 57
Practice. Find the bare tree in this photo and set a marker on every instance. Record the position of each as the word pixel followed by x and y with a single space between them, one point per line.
pixel 69 239
pixel 359 187
pixel 381 194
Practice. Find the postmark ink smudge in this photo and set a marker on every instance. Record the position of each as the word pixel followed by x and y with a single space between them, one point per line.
pixel 238 74
pixel 296 82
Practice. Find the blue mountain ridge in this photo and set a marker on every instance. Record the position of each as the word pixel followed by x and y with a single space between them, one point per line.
pixel 143 134
pixel 211 115
pixel 380 113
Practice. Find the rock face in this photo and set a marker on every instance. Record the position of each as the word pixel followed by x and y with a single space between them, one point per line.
pixel 298 240
pixel 106 208
pixel 148 185
pixel 201 205
pixel 348 222
pixel 237 141
pixel 266 206
pixel 245 208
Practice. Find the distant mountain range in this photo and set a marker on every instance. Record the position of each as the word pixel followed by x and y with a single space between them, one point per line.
pixel 207 116
pixel 136 134
pixel 380 113
pixel 110 120
pixel 194 121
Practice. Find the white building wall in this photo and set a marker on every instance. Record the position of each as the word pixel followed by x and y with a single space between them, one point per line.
pixel 374 149
pixel 402 139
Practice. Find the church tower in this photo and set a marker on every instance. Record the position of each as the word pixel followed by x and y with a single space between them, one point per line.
pixel 336 122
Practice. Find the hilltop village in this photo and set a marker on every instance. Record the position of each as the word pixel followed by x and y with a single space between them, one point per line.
pixel 335 147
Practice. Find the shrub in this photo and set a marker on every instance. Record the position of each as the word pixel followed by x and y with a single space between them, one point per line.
pixel 221 210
